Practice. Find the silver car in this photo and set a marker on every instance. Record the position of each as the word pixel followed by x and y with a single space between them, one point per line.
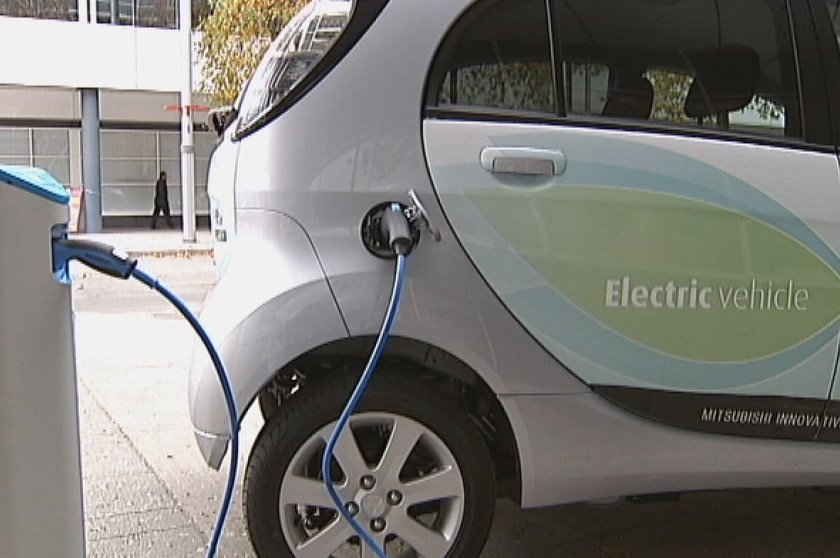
pixel 624 277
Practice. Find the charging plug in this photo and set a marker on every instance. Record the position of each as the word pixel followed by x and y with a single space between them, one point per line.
pixel 386 231
pixel 397 230
pixel 99 256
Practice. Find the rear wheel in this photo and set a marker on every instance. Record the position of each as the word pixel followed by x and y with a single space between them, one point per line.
pixel 411 466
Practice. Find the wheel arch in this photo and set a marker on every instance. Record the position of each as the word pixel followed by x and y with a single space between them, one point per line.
pixel 406 356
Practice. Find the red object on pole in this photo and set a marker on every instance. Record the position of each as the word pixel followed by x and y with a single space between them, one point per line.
pixel 190 108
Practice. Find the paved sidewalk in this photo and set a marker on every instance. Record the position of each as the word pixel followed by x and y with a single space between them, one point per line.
pixel 128 509
pixel 158 242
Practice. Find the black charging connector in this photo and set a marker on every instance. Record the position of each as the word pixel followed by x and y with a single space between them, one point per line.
pixel 386 231
pixel 397 230
pixel 99 256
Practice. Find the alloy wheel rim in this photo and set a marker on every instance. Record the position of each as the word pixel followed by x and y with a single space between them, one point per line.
pixel 394 474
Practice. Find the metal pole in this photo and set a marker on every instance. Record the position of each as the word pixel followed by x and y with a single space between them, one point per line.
pixel 187 145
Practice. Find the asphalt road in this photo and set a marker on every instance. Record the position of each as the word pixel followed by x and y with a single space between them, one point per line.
pixel 149 494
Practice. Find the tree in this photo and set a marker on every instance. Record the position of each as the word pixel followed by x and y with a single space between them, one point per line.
pixel 670 90
pixel 235 35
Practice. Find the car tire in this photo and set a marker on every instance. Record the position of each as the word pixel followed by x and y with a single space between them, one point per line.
pixel 429 488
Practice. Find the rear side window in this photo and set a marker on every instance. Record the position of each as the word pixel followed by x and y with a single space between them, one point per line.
pixel 834 12
pixel 725 65
pixel 498 57
pixel 306 49
pixel 300 45
pixel 708 64
pixel 834 16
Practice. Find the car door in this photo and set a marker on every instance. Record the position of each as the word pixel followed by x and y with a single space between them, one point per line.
pixel 666 225
pixel 827 20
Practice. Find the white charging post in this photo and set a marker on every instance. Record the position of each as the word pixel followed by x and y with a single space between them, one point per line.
pixel 40 465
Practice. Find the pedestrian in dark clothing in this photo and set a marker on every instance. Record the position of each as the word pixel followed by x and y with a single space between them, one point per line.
pixel 161 201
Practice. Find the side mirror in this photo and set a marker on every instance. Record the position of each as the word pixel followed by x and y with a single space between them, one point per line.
pixel 219 118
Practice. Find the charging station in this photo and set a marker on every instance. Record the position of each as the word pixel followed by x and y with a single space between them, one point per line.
pixel 41 510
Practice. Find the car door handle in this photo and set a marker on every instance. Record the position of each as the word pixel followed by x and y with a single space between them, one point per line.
pixel 523 160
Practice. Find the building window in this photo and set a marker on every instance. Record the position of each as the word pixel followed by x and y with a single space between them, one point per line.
pixel 139 13
pixel 46 148
pixel 148 13
pixel 50 151
pixel 132 161
pixel 15 147
pixel 66 10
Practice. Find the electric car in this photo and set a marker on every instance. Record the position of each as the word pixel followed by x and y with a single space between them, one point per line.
pixel 624 267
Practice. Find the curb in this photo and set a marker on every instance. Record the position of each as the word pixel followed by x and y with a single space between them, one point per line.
pixel 142 244
pixel 184 252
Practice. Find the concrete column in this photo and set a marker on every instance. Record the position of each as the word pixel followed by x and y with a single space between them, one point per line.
pixel 91 161
pixel 82 9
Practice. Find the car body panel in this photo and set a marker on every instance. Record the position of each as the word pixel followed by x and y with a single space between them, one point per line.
pixel 568 254
pixel 221 185
pixel 256 312
pixel 582 448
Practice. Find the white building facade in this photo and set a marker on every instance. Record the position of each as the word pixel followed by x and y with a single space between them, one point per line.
pixel 90 90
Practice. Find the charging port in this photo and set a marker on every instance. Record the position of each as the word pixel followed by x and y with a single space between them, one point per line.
pixel 374 237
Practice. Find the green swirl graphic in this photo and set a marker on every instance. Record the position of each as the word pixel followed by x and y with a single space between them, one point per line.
pixel 680 276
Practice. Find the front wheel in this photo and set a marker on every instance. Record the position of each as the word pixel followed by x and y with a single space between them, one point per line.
pixel 410 465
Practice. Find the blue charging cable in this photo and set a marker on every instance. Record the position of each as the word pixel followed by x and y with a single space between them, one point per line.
pixel 396 233
pixel 352 403
pixel 230 402
pixel 105 259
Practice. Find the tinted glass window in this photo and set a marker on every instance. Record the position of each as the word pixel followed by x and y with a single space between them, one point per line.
pixel 498 57
pixel 48 149
pixel 725 65
pixel 834 14
pixel 292 55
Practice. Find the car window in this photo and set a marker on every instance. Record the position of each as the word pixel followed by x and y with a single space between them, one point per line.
pixel 834 16
pixel 699 63
pixel 834 13
pixel 498 57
